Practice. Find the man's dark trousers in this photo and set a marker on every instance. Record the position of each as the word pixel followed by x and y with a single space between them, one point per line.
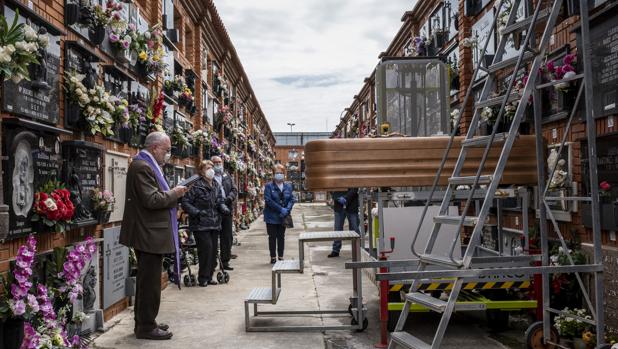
pixel 227 237
pixel 148 291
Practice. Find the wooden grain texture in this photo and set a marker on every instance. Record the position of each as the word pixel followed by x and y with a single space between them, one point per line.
pixel 405 162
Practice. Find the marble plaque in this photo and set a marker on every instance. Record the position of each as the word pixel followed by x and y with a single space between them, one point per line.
pixel 33 158
pixel 115 267
pixel 116 166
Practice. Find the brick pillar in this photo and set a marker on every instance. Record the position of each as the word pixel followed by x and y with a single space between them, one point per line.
pixel 466 68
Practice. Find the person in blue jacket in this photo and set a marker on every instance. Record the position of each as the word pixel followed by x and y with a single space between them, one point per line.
pixel 279 200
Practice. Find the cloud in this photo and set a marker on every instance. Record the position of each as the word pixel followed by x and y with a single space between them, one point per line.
pixel 306 59
pixel 306 81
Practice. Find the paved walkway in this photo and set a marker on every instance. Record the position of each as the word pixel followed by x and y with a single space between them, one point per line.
pixel 213 317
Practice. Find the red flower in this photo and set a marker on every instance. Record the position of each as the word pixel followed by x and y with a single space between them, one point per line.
pixel 605 186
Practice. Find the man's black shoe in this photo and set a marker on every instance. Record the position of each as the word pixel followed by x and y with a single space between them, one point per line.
pixel 212 282
pixel 157 334
pixel 333 254
pixel 227 267
pixel 202 284
pixel 163 327
pixel 233 256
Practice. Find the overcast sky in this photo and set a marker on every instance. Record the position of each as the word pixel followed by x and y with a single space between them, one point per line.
pixel 306 59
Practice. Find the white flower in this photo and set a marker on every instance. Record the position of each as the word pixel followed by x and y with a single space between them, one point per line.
pixel 21 45
pixel 455 113
pixel 10 48
pixel 487 113
pixel 50 204
pixel 43 40
pixel 29 33
pixel 96 99
pixel 468 42
pixel 5 57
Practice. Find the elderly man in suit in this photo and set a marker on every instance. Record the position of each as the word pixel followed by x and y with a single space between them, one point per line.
pixel 230 193
pixel 149 226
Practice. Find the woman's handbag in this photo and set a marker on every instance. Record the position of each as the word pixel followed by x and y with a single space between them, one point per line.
pixel 288 222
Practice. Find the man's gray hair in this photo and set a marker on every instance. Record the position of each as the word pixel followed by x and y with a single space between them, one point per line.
pixel 155 138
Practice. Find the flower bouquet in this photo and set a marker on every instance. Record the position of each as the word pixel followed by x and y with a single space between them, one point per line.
pixel 53 206
pixel 19 48
pixel 566 71
pixel 103 203
pixel 154 113
pixel 96 19
pixel 96 106
pixel 186 98
pixel 568 325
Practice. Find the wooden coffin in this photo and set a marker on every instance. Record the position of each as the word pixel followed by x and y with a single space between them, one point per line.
pixel 406 162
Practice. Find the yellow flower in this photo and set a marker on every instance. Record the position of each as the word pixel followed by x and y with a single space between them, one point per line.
pixel 143 56
pixel 156 58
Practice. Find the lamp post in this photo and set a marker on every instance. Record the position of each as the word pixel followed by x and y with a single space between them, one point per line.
pixel 291 124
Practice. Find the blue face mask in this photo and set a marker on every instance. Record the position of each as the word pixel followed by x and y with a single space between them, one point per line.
pixel 279 177
pixel 218 169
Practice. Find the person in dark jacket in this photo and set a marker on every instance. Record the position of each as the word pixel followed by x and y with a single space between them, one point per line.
pixel 279 200
pixel 205 204
pixel 149 227
pixel 345 206
pixel 230 193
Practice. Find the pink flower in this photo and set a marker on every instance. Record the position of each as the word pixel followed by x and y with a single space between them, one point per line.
pixel 550 66
pixel 567 68
pixel 18 307
pixel 132 27
pixel 113 38
pixel 125 44
pixel 605 186
pixel 568 59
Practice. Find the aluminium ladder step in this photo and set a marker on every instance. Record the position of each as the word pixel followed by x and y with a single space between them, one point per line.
pixel 485 179
pixel 407 340
pixel 469 221
pixel 328 235
pixel 524 24
pixel 287 266
pixel 481 141
pixel 490 102
pixel 513 231
pixel 440 260
pixel 261 295
pixel 557 82
pixel 510 62
pixel 427 300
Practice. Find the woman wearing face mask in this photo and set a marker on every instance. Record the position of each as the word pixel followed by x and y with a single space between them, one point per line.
pixel 204 203
pixel 279 200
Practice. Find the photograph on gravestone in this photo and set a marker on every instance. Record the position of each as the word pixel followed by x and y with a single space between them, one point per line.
pixel 116 166
pixel 604 40
pixel 179 175
pixel 82 173
pixel 81 60
pixel 115 267
pixel 138 104
pixel 33 158
pixel 170 174
pixel 37 97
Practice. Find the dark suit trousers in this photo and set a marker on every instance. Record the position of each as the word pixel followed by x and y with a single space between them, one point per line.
pixel 148 291
pixel 206 242
pixel 227 237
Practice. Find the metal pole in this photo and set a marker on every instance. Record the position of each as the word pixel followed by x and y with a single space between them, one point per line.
pixel 592 167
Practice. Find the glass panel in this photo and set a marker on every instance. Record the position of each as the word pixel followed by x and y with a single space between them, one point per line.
pixel 412 97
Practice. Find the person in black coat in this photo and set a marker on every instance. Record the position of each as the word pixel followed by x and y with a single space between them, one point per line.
pixel 205 205
pixel 345 206
pixel 230 193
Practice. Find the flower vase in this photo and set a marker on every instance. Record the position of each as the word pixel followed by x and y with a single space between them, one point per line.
pixel 96 35
pixel 103 217
pixel 125 134
pixel 578 343
pixel 71 13
pixel 72 114
pixel 122 55
pixel 12 333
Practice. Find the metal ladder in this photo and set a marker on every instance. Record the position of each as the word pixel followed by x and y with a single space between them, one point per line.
pixel 529 52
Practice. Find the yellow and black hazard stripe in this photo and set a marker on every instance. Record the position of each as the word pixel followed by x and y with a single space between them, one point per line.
pixel 445 286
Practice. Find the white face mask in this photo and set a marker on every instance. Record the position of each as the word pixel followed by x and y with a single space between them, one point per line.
pixel 210 173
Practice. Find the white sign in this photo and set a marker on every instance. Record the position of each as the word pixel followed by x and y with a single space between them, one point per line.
pixel 116 167
pixel 115 267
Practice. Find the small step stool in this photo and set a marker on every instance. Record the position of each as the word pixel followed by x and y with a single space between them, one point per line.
pixel 262 295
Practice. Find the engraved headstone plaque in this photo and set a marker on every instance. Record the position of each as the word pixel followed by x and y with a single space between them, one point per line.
pixel 33 158
pixel 116 166
pixel 36 99
pixel 115 267
pixel 82 172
